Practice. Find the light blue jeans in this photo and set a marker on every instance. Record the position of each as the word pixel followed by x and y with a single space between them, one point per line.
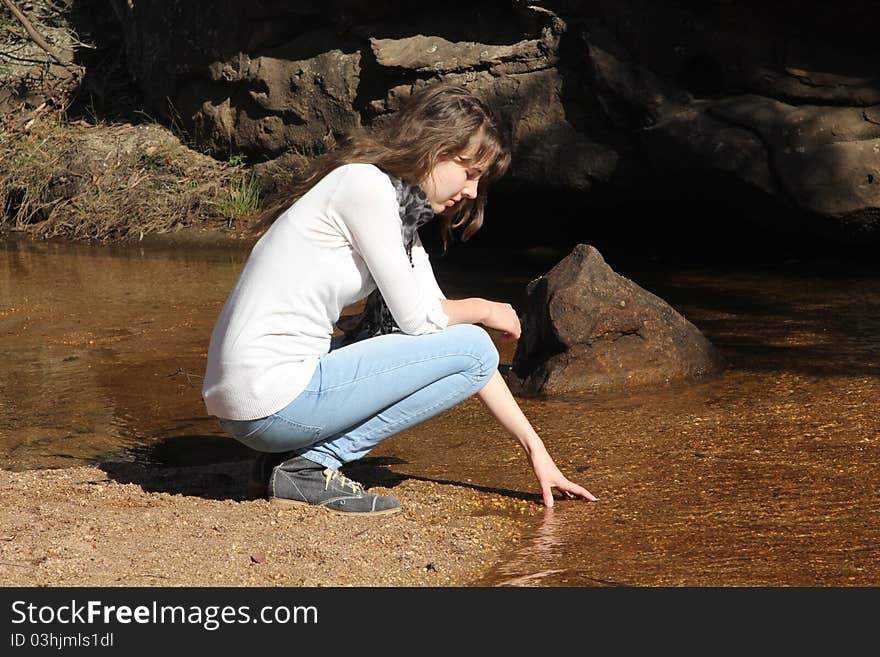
pixel 367 391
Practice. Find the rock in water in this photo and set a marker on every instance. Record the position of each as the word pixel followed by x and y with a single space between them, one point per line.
pixel 587 328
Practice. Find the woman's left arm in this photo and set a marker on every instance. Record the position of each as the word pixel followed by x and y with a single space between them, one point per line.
pixel 498 399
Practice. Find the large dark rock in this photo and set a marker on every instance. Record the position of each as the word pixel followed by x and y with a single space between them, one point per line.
pixel 587 328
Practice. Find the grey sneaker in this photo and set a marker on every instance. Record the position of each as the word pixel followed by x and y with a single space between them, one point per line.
pixel 299 481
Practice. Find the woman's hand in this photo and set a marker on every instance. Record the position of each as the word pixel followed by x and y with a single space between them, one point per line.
pixel 497 398
pixel 550 477
pixel 502 317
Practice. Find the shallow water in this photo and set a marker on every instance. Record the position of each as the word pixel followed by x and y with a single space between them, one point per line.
pixel 765 475
pixel 104 348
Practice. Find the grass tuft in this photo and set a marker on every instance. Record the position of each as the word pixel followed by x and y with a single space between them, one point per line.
pixel 242 198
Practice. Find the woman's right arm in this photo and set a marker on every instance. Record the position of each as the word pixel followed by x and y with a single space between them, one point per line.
pixel 491 314
pixel 498 399
pixel 365 208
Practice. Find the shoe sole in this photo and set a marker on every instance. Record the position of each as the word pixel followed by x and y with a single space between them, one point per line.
pixel 282 501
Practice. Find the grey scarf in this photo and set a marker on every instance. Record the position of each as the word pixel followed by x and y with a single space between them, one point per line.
pixel 415 211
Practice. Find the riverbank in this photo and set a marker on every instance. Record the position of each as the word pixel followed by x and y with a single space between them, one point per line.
pixel 123 182
pixel 136 525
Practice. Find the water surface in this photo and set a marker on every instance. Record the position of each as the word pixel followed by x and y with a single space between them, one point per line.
pixel 765 475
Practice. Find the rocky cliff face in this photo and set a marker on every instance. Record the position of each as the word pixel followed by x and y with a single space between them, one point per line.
pixel 779 102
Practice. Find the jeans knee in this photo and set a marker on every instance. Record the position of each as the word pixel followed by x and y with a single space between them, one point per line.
pixel 480 345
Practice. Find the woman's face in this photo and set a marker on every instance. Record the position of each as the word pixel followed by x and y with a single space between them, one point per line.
pixel 453 179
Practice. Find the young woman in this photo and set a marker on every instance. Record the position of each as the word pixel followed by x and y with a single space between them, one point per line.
pixel 276 378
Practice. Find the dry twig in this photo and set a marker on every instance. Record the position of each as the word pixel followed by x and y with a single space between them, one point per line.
pixel 37 38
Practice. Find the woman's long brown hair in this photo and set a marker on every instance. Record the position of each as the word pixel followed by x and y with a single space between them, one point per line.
pixel 437 122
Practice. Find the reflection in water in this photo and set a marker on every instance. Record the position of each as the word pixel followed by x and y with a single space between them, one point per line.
pixel 765 475
pixel 546 546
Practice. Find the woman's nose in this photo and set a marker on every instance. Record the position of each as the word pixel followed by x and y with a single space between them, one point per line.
pixel 470 189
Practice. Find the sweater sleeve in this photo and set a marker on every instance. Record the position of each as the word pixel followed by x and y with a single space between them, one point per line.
pixel 424 272
pixel 366 207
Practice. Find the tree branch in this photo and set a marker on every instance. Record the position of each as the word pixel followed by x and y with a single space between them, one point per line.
pixel 36 37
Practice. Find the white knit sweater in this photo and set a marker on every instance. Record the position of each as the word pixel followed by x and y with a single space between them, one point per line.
pixel 331 248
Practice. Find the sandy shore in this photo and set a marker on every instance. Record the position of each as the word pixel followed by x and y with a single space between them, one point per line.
pixel 134 525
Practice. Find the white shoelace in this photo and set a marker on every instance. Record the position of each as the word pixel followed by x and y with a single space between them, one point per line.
pixel 330 475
